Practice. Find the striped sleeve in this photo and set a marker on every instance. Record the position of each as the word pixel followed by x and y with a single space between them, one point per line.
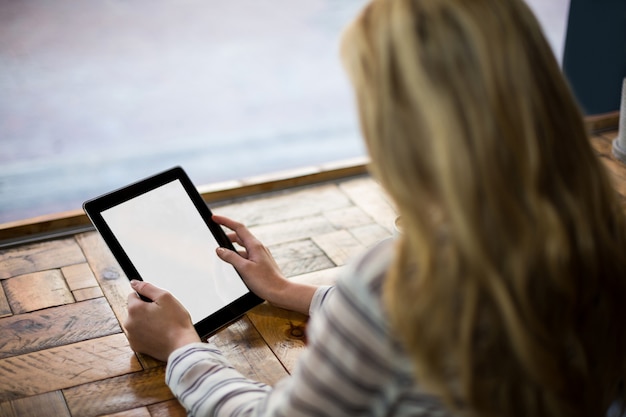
pixel 207 385
pixel 320 295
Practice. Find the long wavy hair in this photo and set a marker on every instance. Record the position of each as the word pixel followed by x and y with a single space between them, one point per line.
pixel 508 285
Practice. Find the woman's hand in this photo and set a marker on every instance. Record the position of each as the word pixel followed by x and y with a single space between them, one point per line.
pixel 260 271
pixel 159 327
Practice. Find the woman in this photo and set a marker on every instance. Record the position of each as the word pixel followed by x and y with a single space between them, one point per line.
pixel 501 298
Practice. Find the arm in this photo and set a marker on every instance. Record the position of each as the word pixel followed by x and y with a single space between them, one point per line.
pixel 349 347
pixel 349 368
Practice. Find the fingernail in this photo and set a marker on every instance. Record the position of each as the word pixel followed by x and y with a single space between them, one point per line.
pixel 133 282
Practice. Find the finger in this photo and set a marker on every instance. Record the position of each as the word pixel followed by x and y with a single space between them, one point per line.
pixel 243 233
pixel 147 290
pixel 134 301
pixel 232 236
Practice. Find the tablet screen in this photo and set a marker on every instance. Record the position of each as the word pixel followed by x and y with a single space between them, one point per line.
pixel 171 246
pixel 160 230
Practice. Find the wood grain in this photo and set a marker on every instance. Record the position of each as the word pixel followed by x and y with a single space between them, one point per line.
pixel 340 246
pixel 135 412
pixel 370 234
pixel 370 198
pixel 323 277
pixel 5 308
pixel 601 143
pixel 7 410
pixel 246 350
pixel 616 170
pixel 113 395
pixel 284 331
pixel 292 230
pixel 170 408
pixel 87 293
pixel 56 326
pixel 348 217
pixel 602 122
pixel 107 272
pixel 286 205
pixel 299 257
pixel 37 290
pixel 38 257
pixel 79 276
pixel 65 366
pixel 47 404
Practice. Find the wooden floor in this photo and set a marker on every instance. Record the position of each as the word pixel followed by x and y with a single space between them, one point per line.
pixel 63 351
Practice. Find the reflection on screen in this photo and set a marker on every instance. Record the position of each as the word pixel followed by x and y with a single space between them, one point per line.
pixel 170 246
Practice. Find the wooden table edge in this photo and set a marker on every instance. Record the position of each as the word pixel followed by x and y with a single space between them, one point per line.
pixel 66 223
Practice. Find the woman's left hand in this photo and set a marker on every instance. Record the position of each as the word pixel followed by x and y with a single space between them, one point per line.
pixel 159 327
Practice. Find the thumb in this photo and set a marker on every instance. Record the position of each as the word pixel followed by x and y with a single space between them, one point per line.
pixel 146 289
pixel 230 257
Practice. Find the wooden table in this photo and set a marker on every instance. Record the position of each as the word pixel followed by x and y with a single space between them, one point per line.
pixel 63 351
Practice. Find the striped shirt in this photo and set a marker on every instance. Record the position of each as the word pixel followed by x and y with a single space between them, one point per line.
pixel 352 364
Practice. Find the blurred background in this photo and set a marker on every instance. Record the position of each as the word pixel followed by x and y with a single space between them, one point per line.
pixel 94 95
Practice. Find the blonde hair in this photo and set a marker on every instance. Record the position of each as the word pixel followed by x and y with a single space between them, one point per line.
pixel 508 285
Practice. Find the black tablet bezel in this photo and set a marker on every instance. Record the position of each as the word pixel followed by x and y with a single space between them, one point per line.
pixel 94 208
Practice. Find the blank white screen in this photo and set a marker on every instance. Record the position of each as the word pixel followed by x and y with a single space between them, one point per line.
pixel 172 247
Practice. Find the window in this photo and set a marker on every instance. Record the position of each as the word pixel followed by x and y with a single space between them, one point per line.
pixel 94 95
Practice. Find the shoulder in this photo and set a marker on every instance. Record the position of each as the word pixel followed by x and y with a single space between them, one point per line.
pixel 364 278
pixel 355 302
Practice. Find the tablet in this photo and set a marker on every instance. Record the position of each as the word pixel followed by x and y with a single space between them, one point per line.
pixel 160 230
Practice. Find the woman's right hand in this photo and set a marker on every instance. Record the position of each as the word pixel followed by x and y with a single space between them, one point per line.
pixel 260 271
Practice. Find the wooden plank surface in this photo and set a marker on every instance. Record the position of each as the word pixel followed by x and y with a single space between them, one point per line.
pixel 170 408
pixel 79 276
pixel 113 395
pixel 65 366
pixel 370 197
pixel 286 205
pixel 5 308
pixel 248 352
pixel 135 412
pixel 37 290
pixel 39 257
pixel 47 404
pixel 322 277
pixel 602 144
pixel 299 257
pixel 284 331
pixel 87 293
pixel 40 330
pixel 108 274
pixel 340 246
pixel 68 350
pixel 7 409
